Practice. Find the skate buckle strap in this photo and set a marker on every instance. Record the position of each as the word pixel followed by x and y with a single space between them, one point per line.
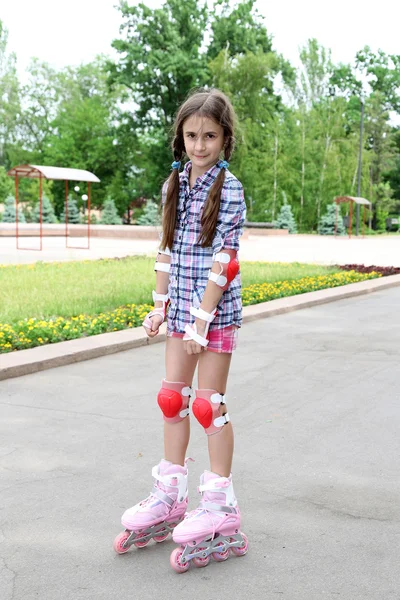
pixel 166 251
pixel 211 506
pixel 162 496
pixel 176 480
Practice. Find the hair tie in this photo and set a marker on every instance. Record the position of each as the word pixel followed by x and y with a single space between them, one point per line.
pixel 176 164
pixel 224 164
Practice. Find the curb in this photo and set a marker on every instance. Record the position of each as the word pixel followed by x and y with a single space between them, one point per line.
pixel 26 362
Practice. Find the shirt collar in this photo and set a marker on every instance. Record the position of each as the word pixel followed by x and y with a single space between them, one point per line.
pixel 205 180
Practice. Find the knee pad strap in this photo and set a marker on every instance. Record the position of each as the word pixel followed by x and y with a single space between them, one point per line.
pixel 173 399
pixel 206 409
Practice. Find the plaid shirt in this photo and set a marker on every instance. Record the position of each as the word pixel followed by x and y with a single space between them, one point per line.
pixel 190 263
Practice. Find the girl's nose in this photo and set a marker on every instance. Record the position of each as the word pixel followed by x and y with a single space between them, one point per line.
pixel 199 143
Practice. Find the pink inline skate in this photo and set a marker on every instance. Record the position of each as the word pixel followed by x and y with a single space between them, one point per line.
pixel 213 529
pixel 157 515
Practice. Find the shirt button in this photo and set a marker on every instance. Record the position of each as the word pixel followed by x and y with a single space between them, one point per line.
pixel 180 237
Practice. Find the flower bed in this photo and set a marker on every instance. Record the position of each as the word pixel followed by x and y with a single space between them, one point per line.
pixel 270 291
pixel 36 332
pixel 384 271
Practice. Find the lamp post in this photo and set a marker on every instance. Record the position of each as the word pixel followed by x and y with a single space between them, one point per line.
pixel 84 199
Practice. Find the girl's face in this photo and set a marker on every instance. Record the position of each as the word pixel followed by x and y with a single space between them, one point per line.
pixel 204 141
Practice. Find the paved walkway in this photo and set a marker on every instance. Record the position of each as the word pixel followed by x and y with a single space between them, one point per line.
pixel 314 398
pixel 379 250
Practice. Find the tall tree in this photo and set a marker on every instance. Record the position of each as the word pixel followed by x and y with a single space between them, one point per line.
pixel 9 97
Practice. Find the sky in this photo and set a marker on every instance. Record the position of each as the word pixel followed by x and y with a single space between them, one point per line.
pixel 74 32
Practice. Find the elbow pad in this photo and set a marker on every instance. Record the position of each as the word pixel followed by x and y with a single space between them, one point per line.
pixel 229 264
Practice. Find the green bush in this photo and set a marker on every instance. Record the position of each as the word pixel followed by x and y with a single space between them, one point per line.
pixel 150 214
pixel 286 219
pixel 9 214
pixel 327 222
pixel 93 219
pixel 73 212
pixel 48 215
pixel 110 216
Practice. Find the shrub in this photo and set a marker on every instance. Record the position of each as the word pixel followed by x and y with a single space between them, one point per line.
pixel 110 216
pixel 93 219
pixel 286 220
pixel 327 222
pixel 150 215
pixel 73 212
pixel 9 214
pixel 48 215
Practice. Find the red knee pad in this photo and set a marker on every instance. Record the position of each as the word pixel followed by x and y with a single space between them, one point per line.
pixel 206 409
pixel 173 399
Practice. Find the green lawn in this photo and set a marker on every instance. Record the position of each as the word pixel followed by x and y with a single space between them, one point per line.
pixel 47 290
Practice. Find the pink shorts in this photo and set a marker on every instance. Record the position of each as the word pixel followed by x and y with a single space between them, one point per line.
pixel 220 340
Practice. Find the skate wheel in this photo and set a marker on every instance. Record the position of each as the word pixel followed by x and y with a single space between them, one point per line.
pixel 138 543
pixel 200 561
pixel 175 561
pixel 241 551
pixel 119 540
pixel 161 537
pixel 220 556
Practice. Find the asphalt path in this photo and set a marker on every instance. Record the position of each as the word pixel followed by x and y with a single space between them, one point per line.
pixel 314 398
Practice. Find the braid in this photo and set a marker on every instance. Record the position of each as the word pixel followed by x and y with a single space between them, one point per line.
pixel 209 218
pixel 171 203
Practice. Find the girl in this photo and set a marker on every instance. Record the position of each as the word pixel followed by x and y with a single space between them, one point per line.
pixel 197 274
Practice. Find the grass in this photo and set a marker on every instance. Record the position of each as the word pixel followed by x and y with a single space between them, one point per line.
pixel 46 290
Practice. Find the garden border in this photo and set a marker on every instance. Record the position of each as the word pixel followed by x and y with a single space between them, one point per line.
pixel 25 362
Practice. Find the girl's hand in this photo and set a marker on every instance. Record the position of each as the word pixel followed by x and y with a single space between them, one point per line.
pixel 193 347
pixel 156 321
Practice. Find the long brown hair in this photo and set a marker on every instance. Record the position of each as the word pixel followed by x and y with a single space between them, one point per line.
pixel 216 106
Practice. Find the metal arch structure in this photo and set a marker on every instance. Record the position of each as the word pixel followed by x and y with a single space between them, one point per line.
pixel 351 200
pixel 52 173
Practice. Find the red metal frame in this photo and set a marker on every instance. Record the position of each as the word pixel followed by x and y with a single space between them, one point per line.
pixel 17 236
pixel 349 231
pixel 35 172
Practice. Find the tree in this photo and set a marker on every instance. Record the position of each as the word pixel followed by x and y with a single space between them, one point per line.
pixel 109 216
pixel 73 212
pixel 286 219
pixel 48 215
pixel 9 97
pixel 238 30
pixel 330 220
pixel 9 214
pixel 150 215
pixel 6 184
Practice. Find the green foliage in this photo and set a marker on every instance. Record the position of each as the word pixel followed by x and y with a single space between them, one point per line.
pixel 298 130
pixel 286 219
pixel 6 184
pixel 331 219
pixel 110 216
pixel 10 213
pixel 48 215
pixel 73 212
pixel 93 219
pixel 150 215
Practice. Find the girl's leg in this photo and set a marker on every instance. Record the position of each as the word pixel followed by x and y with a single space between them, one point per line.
pixel 179 367
pixel 213 374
